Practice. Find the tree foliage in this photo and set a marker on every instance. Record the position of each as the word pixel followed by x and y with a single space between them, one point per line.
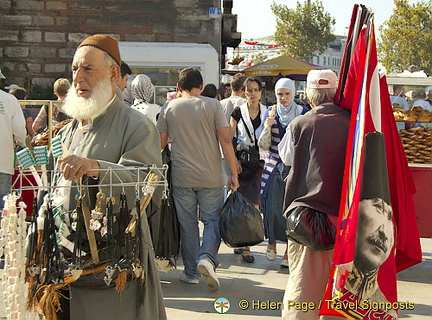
pixel 406 38
pixel 304 31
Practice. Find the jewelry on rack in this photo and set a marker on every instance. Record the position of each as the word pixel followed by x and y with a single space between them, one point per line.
pixel 52 252
pixel 136 265
pixel 121 253
pixel 123 223
pixel 148 190
pixel 74 216
pixel 86 214
pixel 32 261
pixel 97 214
pixel 109 270
pixel 76 265
pixel 132 226
pixel 104 229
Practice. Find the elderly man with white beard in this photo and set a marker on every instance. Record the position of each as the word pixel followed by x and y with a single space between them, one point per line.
pixel 106 133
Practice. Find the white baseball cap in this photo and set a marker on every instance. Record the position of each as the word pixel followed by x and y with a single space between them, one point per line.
pixel 321 79
pixel 12 86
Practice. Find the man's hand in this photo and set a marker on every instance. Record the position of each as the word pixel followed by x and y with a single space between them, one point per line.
pixel 74 167
pixel 239 167
pixel 233 183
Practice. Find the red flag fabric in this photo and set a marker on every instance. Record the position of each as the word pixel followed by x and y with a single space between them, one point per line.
pixel 402 186
pixel 354 291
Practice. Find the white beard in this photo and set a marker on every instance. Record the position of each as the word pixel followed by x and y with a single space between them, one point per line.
pixel 88 108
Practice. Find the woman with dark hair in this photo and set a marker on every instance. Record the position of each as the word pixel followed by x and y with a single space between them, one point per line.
pixel 246 125
pixel 210 91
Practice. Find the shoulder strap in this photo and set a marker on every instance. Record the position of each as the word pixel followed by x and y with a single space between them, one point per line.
pixel 247 130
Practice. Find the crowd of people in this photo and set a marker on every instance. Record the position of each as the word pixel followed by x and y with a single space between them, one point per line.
pixel 298 150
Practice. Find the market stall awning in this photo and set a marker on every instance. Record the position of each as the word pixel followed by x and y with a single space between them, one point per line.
pixel 284 65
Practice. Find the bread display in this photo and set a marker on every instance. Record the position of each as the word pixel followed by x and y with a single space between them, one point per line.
pixel 398 112
pixel 417 144
pixel 416 114
pixel 424 116
pixel 41 139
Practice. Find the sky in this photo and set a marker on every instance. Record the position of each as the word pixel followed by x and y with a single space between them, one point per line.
pixel 256 20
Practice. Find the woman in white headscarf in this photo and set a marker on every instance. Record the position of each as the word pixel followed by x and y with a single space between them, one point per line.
pixel 142 91
pixel 272 181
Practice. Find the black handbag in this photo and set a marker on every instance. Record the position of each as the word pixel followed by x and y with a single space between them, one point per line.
pixel 310 228
pixel 248 156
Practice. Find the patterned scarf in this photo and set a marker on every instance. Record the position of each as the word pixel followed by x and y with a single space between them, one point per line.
pixel 142 89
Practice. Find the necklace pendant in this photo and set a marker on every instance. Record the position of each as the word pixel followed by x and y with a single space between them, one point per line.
pixel 107 280
pixel 109 271
pixel 104 231
pixel 34 270
pixel 95 224
pixel 137 270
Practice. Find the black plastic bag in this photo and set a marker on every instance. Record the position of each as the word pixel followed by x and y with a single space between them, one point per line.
pixel 241 223
pixel 168 243
pixel 310 228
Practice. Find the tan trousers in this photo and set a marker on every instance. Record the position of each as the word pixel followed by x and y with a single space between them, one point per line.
pixel 309 273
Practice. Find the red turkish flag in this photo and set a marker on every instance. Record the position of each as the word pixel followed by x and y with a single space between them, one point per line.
pixel 364 91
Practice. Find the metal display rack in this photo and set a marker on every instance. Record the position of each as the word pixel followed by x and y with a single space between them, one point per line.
pixel 140 183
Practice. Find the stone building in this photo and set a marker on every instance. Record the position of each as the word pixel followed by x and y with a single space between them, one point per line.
pixel 38 37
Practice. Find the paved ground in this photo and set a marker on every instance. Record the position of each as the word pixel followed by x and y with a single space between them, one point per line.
pixel 265 281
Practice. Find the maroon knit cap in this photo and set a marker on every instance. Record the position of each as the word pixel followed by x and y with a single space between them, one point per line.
pixel 105 43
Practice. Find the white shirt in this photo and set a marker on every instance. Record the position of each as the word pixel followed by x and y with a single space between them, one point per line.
pixel 286 147
pixel 12 128
pixel 148 109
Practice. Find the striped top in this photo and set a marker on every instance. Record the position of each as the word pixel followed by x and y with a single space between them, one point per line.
pixel 272 157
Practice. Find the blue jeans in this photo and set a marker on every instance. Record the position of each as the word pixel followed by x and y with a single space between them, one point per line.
pixel 5 186
pixel 210 201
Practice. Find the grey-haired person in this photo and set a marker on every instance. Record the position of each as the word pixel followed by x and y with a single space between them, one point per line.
pixel 314 146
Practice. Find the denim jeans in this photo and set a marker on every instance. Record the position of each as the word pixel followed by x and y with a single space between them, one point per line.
pixel 210 201
pixel 5 186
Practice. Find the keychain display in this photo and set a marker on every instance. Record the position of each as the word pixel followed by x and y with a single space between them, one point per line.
pixel 97 215
pixel 56 235
pixel 12 238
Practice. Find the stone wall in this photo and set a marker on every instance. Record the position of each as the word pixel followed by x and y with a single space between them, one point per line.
pixel 38 37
